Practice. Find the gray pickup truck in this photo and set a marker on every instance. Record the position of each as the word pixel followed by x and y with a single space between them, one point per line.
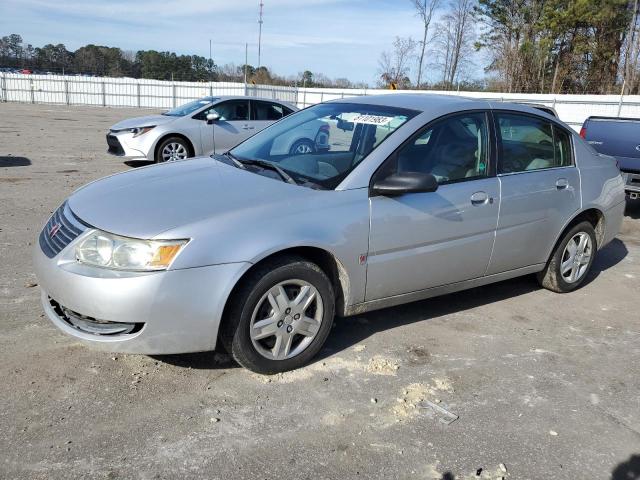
pixel 619 138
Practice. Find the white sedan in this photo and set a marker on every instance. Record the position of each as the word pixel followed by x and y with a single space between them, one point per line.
pixel 184 131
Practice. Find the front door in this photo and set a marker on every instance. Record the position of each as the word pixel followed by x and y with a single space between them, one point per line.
pixel 423 240
pixel 233 126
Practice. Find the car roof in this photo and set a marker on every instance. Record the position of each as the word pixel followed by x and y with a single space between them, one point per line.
pixel 426 102
pixel 247 97
pixel 415 101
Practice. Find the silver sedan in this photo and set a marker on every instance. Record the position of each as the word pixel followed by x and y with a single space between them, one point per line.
pixel 185 132
pixel 259 248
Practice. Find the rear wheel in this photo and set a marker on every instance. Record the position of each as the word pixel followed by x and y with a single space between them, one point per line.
pixel 172 149
pixel 571 260
pixel 280 317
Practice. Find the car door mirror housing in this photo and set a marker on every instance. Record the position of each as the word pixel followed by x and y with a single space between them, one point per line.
pixel 405 182
pixel 212 118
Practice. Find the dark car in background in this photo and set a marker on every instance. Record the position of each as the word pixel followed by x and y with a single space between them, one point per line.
pixel 619 138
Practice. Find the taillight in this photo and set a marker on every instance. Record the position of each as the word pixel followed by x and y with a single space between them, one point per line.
pixel 583 132
pixel 324 128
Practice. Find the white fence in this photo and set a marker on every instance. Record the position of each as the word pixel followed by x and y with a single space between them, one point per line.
pixel 131 92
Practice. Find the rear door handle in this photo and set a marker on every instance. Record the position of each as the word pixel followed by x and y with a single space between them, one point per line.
pixel 480 198
pixel 562 183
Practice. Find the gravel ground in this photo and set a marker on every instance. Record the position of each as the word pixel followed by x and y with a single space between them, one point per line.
pixel 545 385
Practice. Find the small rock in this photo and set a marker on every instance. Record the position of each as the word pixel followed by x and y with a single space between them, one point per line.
pixel 215 420
pixel 553 433
pixel 503 468
pixel 30 284
pixel 114 358
pixel 374 400
pixel 217 411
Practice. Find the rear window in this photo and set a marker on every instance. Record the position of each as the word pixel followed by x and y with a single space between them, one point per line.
pixel 529 143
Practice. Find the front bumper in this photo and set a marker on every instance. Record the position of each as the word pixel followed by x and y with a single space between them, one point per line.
pixel 123 144
pixel 174 311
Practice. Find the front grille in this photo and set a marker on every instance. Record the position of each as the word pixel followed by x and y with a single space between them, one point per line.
pixel 115 147
pixel 62 228
pixel 91 325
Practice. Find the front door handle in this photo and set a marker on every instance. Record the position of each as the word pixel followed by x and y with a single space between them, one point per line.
pixel 562 183
pixel 480 198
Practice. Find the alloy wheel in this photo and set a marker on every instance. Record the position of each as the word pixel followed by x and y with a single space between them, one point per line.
pixel 576 257
pixel 174 151
pixel 286 319
pixel 303 148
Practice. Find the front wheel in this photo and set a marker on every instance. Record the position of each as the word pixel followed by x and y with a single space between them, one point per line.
pixel 302 147
pixel 571 260
pixel 280 317
pixel 172 149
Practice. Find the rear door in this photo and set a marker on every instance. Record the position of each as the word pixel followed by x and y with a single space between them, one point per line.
pixel 618 137
pixel 232 128
pixel 539 185
pixel 423 240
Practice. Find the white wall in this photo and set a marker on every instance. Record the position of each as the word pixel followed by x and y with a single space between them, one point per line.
pixel 131 92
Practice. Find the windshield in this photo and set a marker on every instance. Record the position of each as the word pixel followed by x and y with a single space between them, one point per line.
pixel 324 143
pixel 190 107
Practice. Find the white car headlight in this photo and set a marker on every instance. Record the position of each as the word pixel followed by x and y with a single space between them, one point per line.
pixel 106 250
pixel 137 131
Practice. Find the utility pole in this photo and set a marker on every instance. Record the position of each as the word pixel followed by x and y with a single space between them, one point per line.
pixel 260 34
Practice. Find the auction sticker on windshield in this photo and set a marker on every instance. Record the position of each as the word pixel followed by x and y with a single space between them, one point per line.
pixel 372 119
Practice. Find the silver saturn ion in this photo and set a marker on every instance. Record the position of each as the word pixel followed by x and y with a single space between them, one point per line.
pixel 185 132
pixel 258 249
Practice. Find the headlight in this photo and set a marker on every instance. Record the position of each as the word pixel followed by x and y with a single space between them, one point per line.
pixel 137 131
pixel 102 249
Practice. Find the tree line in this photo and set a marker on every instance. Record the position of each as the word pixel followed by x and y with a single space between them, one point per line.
pixel 530 46
pixel 113 62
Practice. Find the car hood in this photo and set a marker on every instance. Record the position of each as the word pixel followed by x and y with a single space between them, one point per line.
pixel 147 121
pixel 147 201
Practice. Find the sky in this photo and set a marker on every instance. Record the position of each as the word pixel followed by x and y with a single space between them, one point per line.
pixel 340 38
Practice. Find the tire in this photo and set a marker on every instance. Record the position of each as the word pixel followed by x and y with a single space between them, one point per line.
pixel 260 300
pixel 570 264
pixel 302 147
pixel 177 145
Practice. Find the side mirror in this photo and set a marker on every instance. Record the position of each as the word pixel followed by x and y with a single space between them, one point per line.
pixel 344 125
pixel 406 182
pixel 212 118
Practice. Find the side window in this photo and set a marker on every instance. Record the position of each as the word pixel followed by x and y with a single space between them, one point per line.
pixel 562 147
pixel 530 143
pixel 267 111
pixel 232 110
pixel 453 149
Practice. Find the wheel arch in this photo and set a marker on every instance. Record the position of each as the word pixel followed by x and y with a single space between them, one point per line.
pixel 190 146
pixel 327 262
pixel 594 216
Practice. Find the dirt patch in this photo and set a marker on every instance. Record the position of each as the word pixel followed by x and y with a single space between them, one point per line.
pixel 407 404
pixel 383 366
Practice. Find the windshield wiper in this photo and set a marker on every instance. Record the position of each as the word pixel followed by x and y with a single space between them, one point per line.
pixel 268 165
pixel 235 161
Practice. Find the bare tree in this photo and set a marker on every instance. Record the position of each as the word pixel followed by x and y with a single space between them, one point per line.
pixel 455 35
pixel 631 51
pixel 394 66
pixel 425 10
